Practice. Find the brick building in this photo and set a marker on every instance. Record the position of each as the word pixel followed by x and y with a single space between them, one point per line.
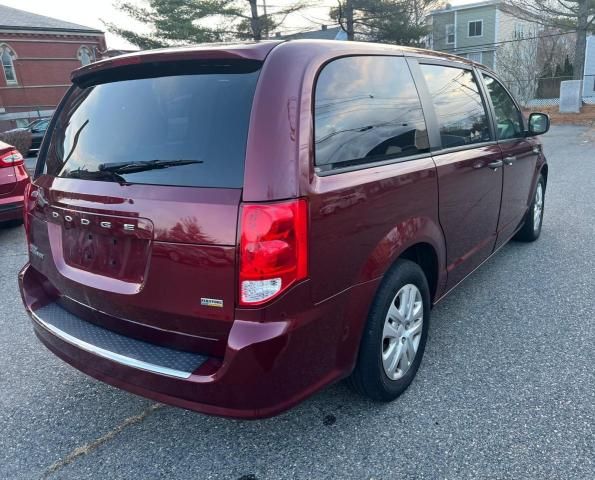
pixel 37 54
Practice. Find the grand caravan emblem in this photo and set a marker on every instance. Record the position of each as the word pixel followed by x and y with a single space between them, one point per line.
pixel 128 227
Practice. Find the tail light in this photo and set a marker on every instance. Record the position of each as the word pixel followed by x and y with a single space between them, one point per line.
pixel 273 249
pixel 11 159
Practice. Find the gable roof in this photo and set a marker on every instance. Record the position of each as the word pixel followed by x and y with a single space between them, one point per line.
pixel 15 19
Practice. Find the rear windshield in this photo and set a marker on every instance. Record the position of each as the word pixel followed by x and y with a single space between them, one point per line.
pixel 185 130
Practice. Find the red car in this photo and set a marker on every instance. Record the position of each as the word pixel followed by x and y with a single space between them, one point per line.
pixel 13 180
pixel 229 229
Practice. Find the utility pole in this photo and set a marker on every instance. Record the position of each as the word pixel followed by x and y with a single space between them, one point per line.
pixel 266 19
pixel 349 19
pixel 255 21
pixel 581 39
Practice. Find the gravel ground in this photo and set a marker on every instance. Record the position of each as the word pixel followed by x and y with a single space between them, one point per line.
pixel 506 389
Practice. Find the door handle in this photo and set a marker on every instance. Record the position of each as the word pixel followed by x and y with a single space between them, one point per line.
pixel 509 160
pixel 496 165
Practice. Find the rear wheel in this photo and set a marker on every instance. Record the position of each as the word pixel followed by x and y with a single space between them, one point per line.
pixel 394 338
pixel 532 227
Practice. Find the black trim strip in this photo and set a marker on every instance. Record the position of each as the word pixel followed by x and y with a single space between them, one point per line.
pixel 366 165
pixel 8 207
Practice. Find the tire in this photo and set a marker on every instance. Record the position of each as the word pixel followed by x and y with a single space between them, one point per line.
pixel 531 228
pixel 372 376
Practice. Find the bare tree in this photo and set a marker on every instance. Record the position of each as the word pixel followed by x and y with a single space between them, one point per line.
pixel 553 51
pixel 570 15
pixel 518 69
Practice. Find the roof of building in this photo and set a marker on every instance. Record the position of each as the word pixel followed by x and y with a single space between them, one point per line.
pixel 464 6
pixel 15 19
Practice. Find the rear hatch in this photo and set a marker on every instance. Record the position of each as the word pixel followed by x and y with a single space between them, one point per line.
pixel 137 207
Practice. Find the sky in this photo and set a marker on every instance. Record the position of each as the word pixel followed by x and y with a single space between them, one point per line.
pixel 91 12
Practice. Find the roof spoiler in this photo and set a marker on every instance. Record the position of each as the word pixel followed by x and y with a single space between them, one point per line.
pixel 253 51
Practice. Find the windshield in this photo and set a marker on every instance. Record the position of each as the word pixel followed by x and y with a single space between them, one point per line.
pixel 185 130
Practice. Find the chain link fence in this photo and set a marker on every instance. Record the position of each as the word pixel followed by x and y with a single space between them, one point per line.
pixel 541 92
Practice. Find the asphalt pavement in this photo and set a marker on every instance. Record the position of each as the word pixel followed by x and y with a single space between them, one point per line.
pixel 506 388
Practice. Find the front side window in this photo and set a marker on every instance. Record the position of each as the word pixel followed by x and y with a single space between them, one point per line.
pixel 460 110
pixel 367 109
pixel 509 118
pixel 450 33
pixel 476 28
pixel 6 57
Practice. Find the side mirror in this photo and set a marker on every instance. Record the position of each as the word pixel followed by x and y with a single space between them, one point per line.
pixel 539 123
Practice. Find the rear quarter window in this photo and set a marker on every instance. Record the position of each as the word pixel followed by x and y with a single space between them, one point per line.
pixel 367 109
pixel 194 126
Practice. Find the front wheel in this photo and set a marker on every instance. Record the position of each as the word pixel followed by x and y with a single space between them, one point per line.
pixel 531 229
pixel 394 338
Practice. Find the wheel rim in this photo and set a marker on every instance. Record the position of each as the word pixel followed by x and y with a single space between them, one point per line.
pixel 402 331
pixel 538 207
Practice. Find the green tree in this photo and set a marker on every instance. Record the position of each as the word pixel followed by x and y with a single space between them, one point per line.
pixel 387 21
pixel 176 22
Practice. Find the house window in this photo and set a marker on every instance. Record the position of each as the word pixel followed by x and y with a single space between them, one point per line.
pixel 475 57
pixel 476 28
pixel 450 33
pixel 519 30
pixel 6 57
pixel 85 55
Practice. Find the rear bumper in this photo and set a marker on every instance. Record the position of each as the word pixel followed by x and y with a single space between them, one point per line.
pixel 267 368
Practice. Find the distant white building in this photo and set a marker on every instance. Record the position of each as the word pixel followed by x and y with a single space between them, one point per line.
pixel 474 30
pixel 589 76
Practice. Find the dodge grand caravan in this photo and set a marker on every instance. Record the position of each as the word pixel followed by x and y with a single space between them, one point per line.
pixel 229 229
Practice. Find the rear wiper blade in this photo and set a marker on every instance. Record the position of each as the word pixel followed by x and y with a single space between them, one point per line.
pixel 143 166
pixel 107 176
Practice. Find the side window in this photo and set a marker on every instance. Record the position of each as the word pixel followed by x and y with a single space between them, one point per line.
pixel 6 58
pixel 367 109
pixel 85 56
pixel 450 33
pixel 509 118
pixel 460 110
pixel 476 28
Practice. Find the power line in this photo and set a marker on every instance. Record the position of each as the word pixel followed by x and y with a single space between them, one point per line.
pixel 493 44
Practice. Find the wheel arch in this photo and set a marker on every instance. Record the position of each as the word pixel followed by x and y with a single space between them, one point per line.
pixel 418 239
pixel 424 255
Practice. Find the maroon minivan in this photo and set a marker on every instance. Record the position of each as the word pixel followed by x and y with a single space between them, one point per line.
pixel 229 229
